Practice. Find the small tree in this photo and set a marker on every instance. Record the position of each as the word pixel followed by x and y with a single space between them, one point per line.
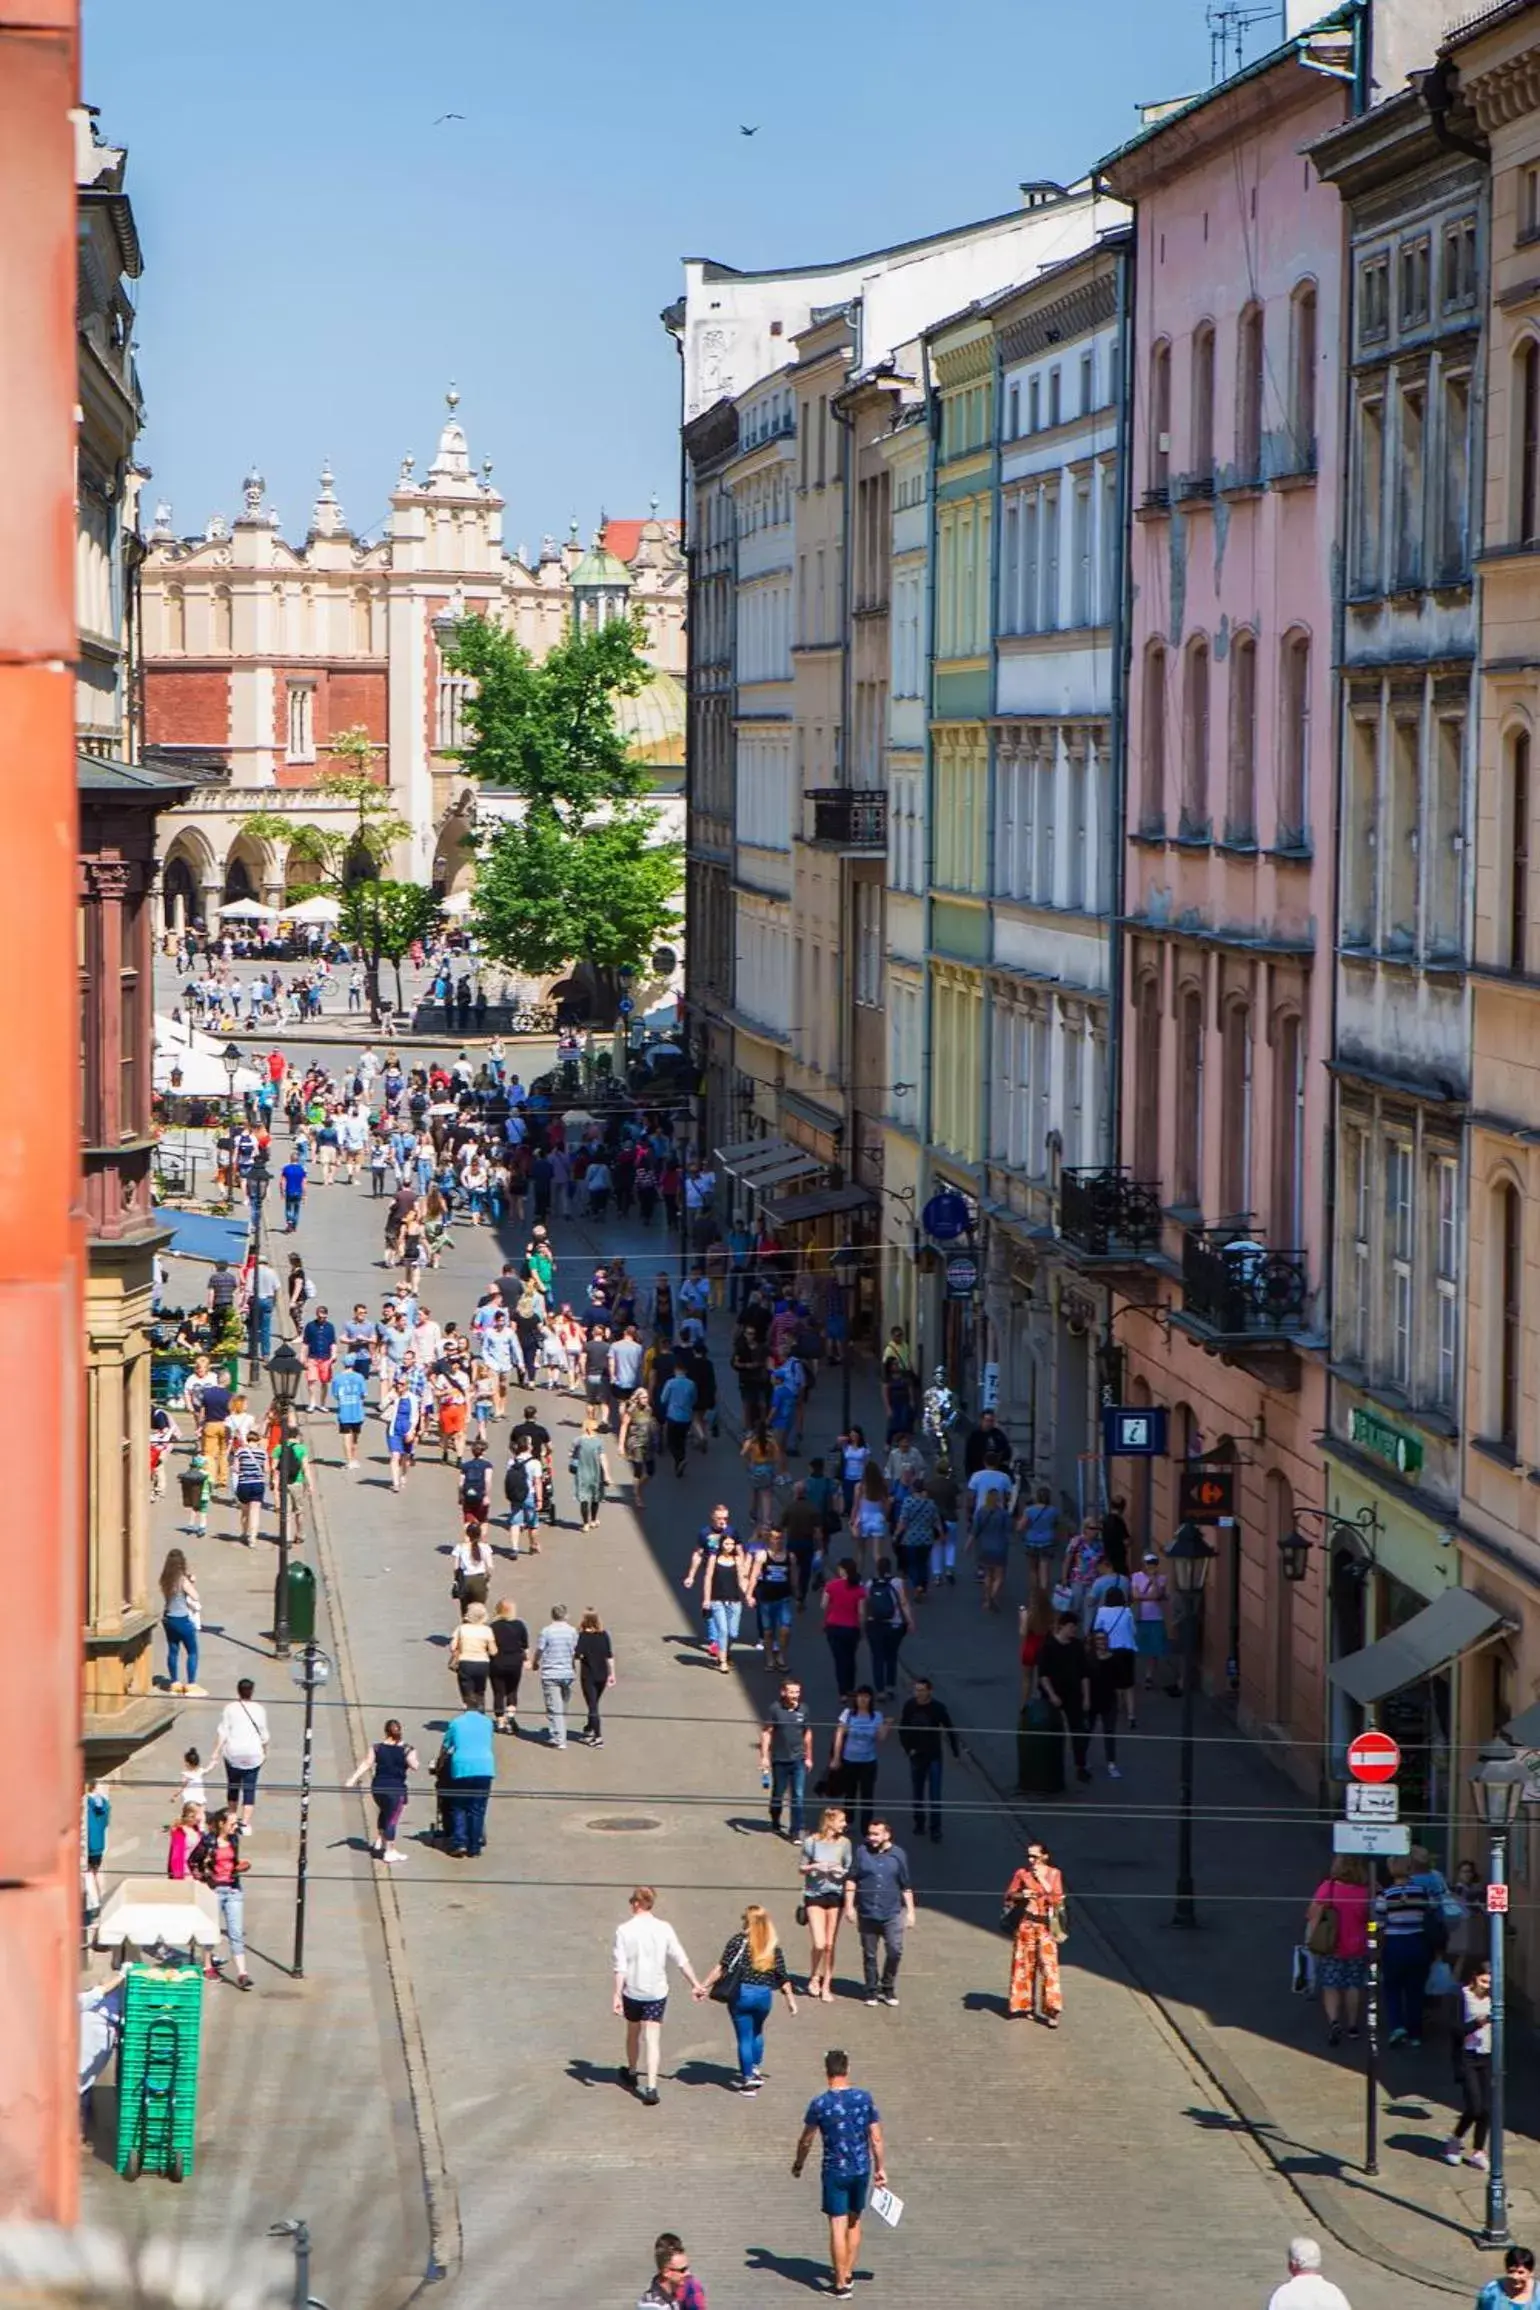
pixel 343 856
pixel 580 877
pixel 384 918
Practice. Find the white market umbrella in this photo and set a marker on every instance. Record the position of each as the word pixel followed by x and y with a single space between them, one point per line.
pixel 458 902
pixel 248 910
pixel 202 1075
pixel 317 909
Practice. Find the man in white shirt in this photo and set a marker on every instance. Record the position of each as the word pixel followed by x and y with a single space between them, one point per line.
pixel 644 1946
pixel 427 1339
pixel 242 1741
pixel 1305 2288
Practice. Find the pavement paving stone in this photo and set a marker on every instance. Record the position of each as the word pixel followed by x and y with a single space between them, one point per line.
pixel 1009 2144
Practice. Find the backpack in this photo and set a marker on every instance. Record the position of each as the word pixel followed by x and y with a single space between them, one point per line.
pixel 516 1484
pixel 473 1485
pixel 882 1603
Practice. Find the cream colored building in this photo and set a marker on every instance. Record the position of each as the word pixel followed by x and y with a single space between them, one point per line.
pixel 259 653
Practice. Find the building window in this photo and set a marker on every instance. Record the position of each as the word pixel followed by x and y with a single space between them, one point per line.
pixel 1416 283
pixel 1153 787
pixel 301 746
pixel 1189 1098
pixel 1288 1129
pixel 450 718
pixel 1446 1284
pixel 1399 1244
pixel 1203 402
pixel 1055 397
pixel 176 618
pixel 1108 545
pixel 1294 749
pixel 1087 383
pixel 1454 526
pixel 1360 819
pixel 1160 417
pixel 1508 1234
pixel 1013 412
pixel 1080 552
pixel 1302 368
pixel 1529 204
pixel 1369 513
pixel 1458 285
pixel 868 974
pixel 1235 1112
pixel 131 1124
pixel 222 634
pixel 1526 445
pixel 1147 1039
pixel 1412 403
pixel 1248 394
pixel 1035 406
pixel 1374 299
pixel 1359 1210
pixel 1405 826
pixel 1241 789
pixel 1516 851
pixel 1195 740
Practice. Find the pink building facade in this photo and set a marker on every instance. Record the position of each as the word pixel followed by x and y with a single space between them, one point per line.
pixel 1229 874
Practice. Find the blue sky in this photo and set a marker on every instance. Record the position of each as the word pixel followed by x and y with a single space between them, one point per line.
pixel 321 259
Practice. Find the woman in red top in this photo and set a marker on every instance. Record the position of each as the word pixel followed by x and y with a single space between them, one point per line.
pixel 217 1863
pixel 1343 1969
pixel 842 1602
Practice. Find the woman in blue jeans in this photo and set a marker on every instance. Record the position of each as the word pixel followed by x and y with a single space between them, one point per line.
pixel 750 1970
pixel 722 1596
pixel 181 1617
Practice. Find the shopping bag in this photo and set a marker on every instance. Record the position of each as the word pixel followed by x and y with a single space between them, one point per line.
pixel 1302 1974
pixel 887 2208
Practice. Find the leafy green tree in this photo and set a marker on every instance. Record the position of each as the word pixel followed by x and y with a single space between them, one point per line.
pixel 581 877
pixel 383 918
pixel 342 855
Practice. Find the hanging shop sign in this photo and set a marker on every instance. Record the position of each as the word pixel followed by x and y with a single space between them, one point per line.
pixel 1134 1431
pixel 1395 1446
pixel 962 1275
pixel 947 1215
pixel 1205 1495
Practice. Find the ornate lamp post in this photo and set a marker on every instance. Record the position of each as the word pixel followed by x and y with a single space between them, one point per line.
pixel 231 1058
pixel 256 1188
pixel 845 1262
pixel 1189 1557
pixel 284 1372
pixel 1497 1784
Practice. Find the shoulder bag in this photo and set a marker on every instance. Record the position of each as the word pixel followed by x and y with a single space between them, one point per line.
pixel 732 1972
pixel 1321 1940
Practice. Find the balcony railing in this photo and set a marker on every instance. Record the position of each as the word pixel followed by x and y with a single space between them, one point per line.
pixel 1102 1213
pixel 850 818
pixel 1237 1288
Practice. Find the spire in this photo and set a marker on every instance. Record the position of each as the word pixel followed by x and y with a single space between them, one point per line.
pixel 162 533
pixel 451 468
pixel 253 490
pixel 326 519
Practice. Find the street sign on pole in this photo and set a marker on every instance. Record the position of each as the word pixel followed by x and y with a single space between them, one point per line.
pixel 1371 1837
pixel 1373 1804
pixel 1373 1756
pixel 1133 1431
pixel 625 1006
pixel 1497 1900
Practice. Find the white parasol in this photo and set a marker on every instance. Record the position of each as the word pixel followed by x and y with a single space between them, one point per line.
pixel 458 902
pixel 248 910
pixel 317 909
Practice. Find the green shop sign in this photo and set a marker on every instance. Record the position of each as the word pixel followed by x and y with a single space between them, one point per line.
pixel 1391 1444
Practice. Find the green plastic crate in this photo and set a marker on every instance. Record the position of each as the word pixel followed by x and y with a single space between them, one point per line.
pixel 158 2070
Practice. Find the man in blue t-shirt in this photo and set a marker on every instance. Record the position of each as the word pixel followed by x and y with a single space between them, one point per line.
pixel 347 1391
pixel 847 2118
pixel 676 1402
pixel 292 1176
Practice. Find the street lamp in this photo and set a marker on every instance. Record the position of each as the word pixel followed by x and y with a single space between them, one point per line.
pixel 1294 1555
pixel 231 1056
pixel 1189 1557
pixel 1497 1784
pixel 284 1372
pixel 311 1669
pixel 845 1263
pixel 257 1179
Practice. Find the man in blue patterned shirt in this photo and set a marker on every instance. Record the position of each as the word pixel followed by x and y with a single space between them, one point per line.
pixel 847 2118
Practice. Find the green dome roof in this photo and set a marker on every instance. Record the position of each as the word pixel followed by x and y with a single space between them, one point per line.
pixel 600 567
pixel 653 722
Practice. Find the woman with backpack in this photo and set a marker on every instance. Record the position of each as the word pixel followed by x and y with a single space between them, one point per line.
pixel 888 1617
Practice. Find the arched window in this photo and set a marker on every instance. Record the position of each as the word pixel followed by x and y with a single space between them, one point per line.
pixel 1202 437
pixel 1302 368
pixel 1195 739
pixel 363 624
pixel 1235 1111
pixel 1160 417
pixel 1508 1249
pixel 222 630
pixel 176 618
pixel 1285 1224
pixel 1189 1098
pixel 1248 394
pixel 1241 786
pixel 1526 442
pixel 1294 742
pixel 1147 1080
pixel 1153 792
pixel 1516 853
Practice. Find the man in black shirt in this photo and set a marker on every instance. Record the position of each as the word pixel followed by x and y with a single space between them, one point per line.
pixel 988 1446
pixel 923 1725
pixel 596 1371
pixel 1062 1668
pixel 786 1755
pixel 751 1365
pixel 528 1434
pixel 802 1529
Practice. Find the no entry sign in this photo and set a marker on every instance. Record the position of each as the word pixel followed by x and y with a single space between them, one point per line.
pixel 1373 1756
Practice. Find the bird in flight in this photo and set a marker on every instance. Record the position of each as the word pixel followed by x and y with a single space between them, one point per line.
pixel 754 131
pixel 443 116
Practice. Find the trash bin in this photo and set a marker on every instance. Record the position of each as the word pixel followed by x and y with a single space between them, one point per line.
pixel 158 2070
pixel 300 1598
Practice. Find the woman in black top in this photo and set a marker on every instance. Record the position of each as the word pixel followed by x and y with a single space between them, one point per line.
pixel 596 1670
pixel 389 1761
pixel 751 1968
pixel 511 1639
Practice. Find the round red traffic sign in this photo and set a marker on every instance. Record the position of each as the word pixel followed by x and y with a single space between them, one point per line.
pixel 1373 1756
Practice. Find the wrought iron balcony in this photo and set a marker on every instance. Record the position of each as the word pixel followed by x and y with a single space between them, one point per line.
pixel 1108 1215
pixel 850 817
pixel 1235 1289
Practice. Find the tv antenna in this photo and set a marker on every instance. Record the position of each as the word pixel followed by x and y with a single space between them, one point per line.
pixel 1228 24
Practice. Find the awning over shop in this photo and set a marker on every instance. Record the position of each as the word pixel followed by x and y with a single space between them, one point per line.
pixel 796 1165
pixel 739 1151
pixel 761 1159
pixel 204 1235
pixel 1429 1640
pixel 1524 1730
pixel 821 1203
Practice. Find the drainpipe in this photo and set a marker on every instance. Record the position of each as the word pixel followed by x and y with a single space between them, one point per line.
pixel 932 425
pixel 1438 90
pixel 1122 651
pixel 847 1040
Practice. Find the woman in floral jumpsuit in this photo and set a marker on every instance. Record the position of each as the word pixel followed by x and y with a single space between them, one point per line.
pixel 1036 1895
